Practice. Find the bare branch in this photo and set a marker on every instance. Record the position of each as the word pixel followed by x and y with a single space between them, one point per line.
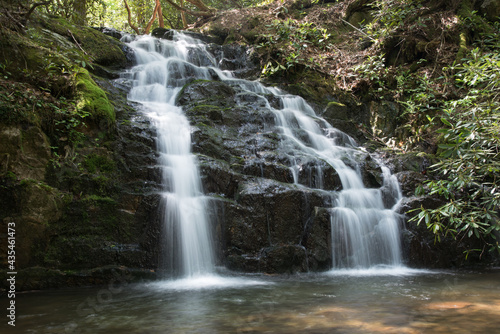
pixel 19 24
pixel 152 19
pixel 199 4
pixel 30 11
pixel 194 13
pixel 130 19
pixel 359 30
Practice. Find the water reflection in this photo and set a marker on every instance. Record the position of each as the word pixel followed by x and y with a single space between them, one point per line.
pixel 417 303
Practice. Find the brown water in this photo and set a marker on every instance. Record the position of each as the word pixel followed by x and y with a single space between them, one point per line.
pixel 394 302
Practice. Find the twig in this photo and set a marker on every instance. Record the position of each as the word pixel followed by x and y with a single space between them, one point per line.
pixel 36 4
pixel 361 31
pixel 77 44
pixel 13 19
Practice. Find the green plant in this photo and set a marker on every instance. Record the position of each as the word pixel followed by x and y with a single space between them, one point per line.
pixel 389 15
pixel 470 155
pixel 292 38
pixel 373 69
pixel 4 69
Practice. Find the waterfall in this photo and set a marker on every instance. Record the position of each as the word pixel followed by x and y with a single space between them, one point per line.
pixel 364 222
pixel 163 67
pixel 365 233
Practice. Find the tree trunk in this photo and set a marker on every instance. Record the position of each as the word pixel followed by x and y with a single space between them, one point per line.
pixel 183 16
pixel 160 15
pixel 153 17
pixel 80 12
pixel 129 18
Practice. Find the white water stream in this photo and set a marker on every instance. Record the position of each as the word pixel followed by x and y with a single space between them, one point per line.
pixel 365 233
pixel 163 68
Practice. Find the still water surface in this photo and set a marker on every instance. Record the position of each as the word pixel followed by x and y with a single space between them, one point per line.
pixel 341 302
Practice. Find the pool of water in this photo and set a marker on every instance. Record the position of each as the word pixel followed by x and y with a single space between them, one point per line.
pixel 401 301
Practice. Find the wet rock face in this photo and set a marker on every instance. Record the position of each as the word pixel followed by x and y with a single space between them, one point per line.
pixel 379 118
pixel 102 210
pixel 164 33
pixel 110 32
pixel 233 57
pixel 265 222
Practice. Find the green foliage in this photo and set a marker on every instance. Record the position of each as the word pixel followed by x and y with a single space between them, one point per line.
pixel 292 38
pixel 112 13
pixel 389 15
pixel 373 69
pixel 470 154
pixel 74 10
pixel 14 106
pixel 457 110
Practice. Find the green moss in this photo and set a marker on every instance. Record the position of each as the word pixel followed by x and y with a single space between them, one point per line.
pixel 311 85
pixel 336 104
pixel 99 200
pixel 10 176
pixel 93 99
pixel 38 184
pixel 103 185
pixel 251 36
pixel 99 164
pixel 231 37
pixel 104 50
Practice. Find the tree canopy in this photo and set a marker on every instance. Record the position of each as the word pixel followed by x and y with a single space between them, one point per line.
pixel 138 16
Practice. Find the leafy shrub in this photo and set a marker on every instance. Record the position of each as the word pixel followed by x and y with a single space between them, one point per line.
pixel 470 155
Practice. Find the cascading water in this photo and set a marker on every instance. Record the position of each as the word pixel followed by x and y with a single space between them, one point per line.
pixel 365 228
pixel 163 68
pixel 364 232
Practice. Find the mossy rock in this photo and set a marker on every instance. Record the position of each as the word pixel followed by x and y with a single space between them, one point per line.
pixel 311 85
pixel 214 93
pixel 102 49
pixel 490 9
pixel 92 99
pixel 25 152
pixel 337 110
pixel 35 206
pixel 28 61
pixel 97 163
pixel 88 234
pixel 217 30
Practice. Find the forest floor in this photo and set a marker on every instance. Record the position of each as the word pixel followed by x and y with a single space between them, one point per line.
pixel 337 38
